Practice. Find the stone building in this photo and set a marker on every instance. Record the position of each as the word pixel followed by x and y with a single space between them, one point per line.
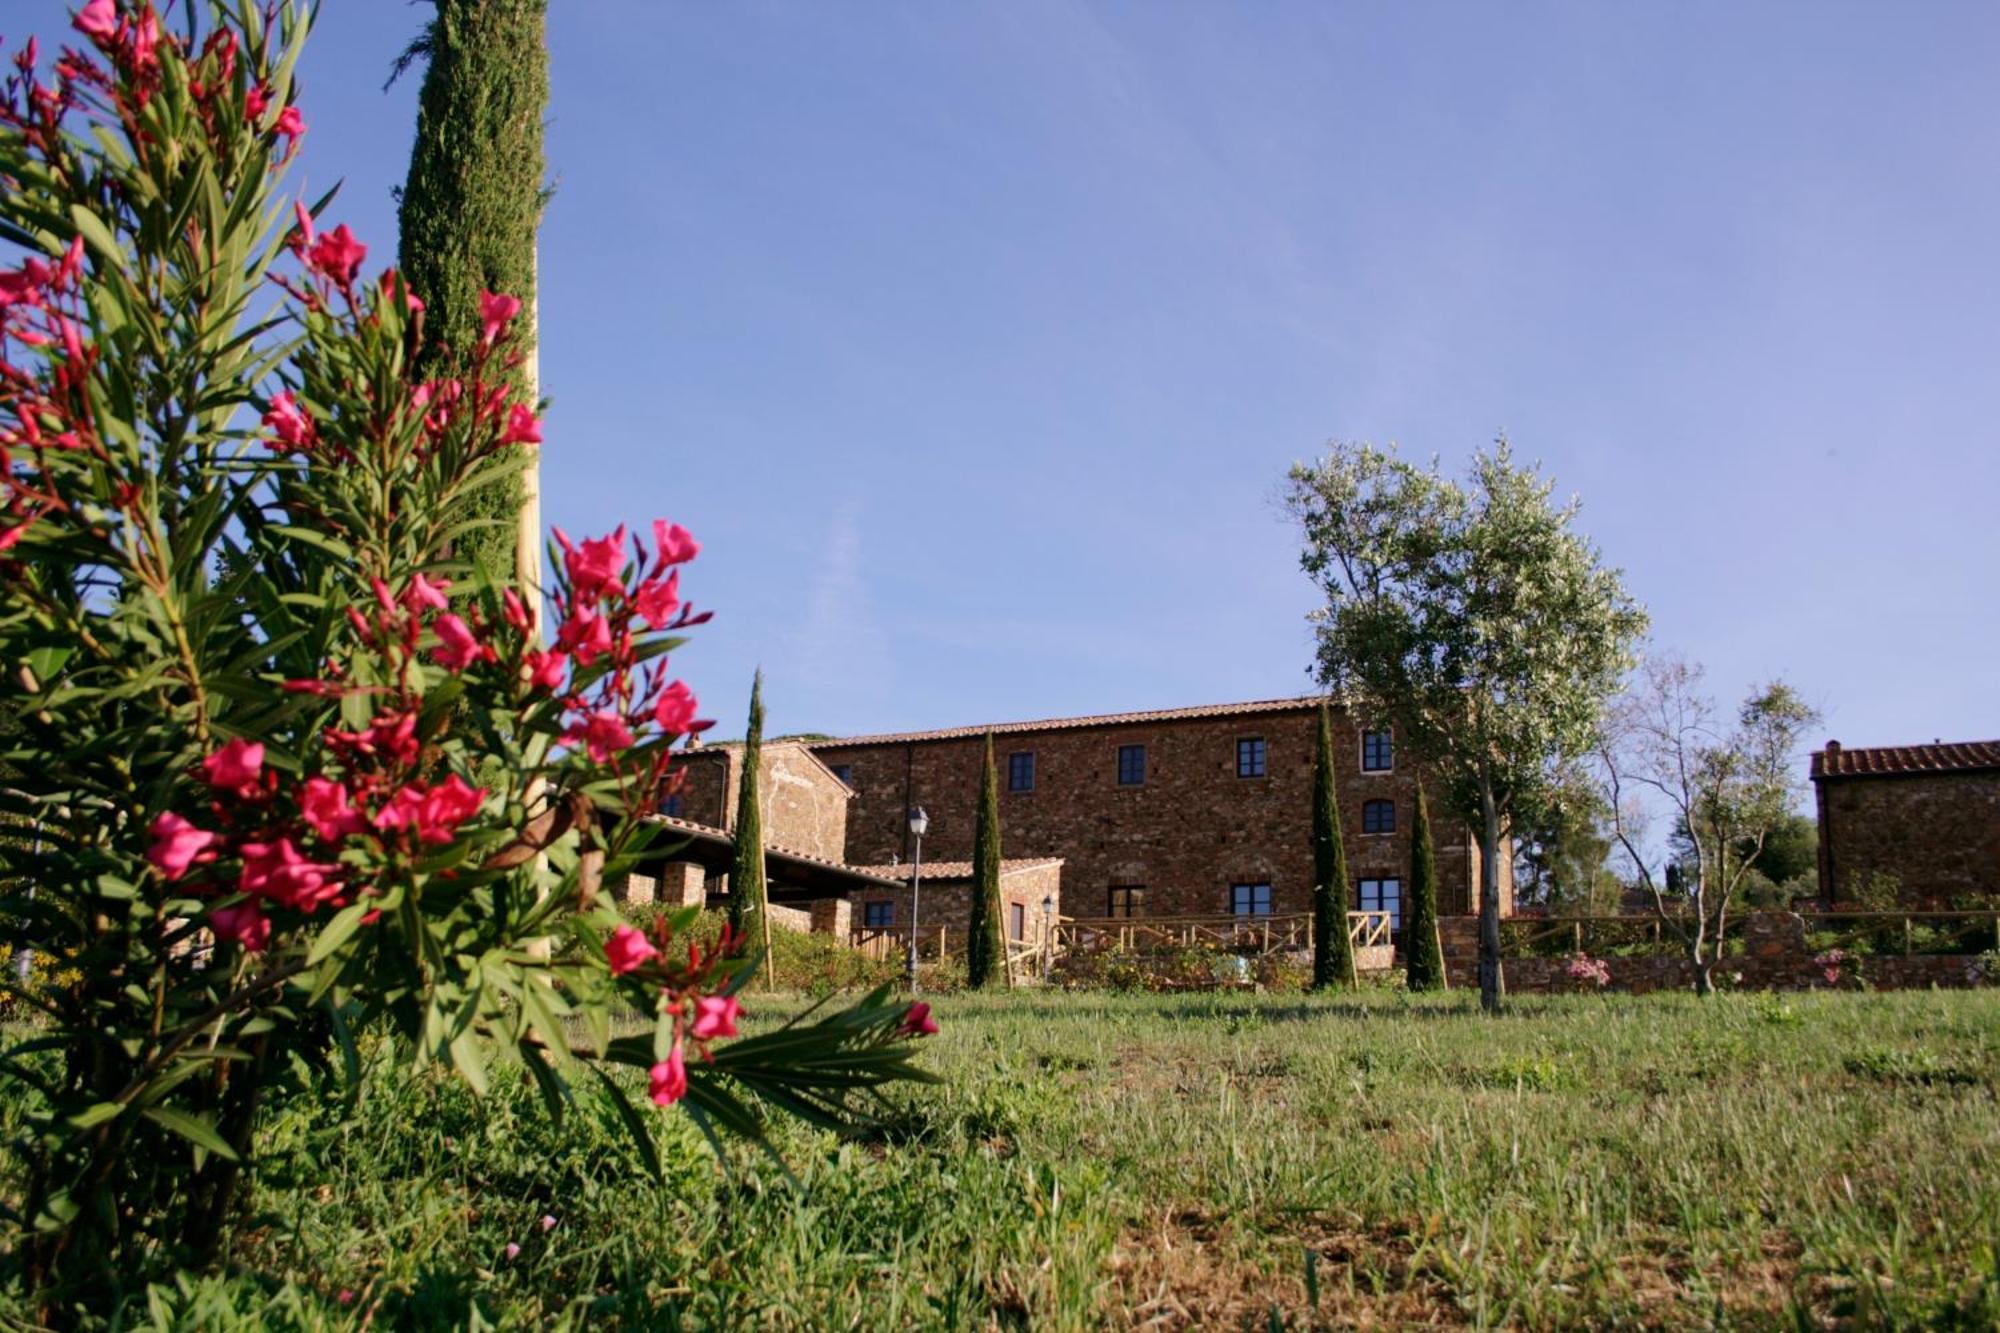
pixel 805 803
pixel 1924 819
pixel 1178 812
pixel 1030 897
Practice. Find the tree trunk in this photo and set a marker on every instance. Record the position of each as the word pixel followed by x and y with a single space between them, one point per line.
pixel 1491 984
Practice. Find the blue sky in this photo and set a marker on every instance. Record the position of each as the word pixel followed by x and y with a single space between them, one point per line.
pixel 973 340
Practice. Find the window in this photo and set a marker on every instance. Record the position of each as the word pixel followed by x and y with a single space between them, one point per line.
pixel 1131 765
pixel 845 772
pixel 1017 922
pixel 671 807
pixel 1250 899
pixel 1384 895
pixel 1250 757
pixel 1021 771
pixel 1377 754
pixel 1378 816
pixel 1126 900
pixel 878 916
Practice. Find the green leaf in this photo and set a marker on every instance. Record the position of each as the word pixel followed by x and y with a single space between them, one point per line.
pixel 195 1130
pixel 641 1132
pixel 97 1114
pixel 338 930
pixel 98 235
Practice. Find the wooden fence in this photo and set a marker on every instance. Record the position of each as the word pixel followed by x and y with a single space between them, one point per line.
pixel 1257 935
pixel 1908 933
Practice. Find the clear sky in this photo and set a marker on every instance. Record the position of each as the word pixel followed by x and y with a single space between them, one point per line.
pixel 973 340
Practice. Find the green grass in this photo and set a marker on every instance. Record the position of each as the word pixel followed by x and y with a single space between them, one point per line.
pixel 1255 1161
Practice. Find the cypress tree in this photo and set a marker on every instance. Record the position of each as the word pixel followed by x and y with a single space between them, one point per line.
pixel 468 213
pixel 1422 951
pixel 1333 952
pixel 986 945
pixel 747 899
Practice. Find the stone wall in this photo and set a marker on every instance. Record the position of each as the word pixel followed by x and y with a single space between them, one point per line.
pixel 1187 834
pixel 1776 956
pixel 804 805
pixel 1936 835
pixel 947 901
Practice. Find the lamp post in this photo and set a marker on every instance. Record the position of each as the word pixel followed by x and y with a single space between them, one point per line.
pixel 1048 934
pixel 919 821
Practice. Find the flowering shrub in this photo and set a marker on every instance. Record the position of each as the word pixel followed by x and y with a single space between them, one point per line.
pixel 1587 971
pixel 1829 964
pixel 291 767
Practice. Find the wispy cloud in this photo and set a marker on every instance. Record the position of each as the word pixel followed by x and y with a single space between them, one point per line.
pixel 840 666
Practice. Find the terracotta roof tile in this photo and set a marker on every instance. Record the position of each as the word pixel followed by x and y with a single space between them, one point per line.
pixel 1837 761
pixel 1302 703
pixel 956 869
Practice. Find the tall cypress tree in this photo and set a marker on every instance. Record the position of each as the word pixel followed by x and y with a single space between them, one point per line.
pixel 986 945
pixel 468 214
pixel 1423 953
pixel 1333 952
pixel 747 899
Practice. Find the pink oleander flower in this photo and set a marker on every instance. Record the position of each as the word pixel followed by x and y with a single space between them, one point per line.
pixel 513 1249
pixel 423 592
pixel 918 1022
pixel 244 924
pixel 432 813
pixel 97 20
pixel 291 124
pixel 603 733
pixel 256 101
pixel 657 600
pixel 289 423
pixel 235 767
pixel 675 709
pixel 323 803
pixel 523 427
pixel 715 1016
pixel 411 301
pixel 277 870
pixel 338 255
pixel 595 565
pixel 546 670
pixel 673 544
pixel 548 1222
pixel 586 635
pixel 628 949
pixel 517 612
pixel 458 648
pixel 495 313
pixel 669 1079
pixel 390 736
pixel 177 845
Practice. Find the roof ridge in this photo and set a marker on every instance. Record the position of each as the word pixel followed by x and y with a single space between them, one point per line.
pixel 1186 713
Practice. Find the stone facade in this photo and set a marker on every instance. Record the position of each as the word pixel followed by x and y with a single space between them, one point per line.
pixel 1186 835
pixel 805 805
pixel 1925 818
pixel 946 900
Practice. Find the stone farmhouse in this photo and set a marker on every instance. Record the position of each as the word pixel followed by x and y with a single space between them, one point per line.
pixel 1186 812
pixel 1924 819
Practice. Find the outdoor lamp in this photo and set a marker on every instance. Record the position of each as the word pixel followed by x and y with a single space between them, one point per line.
pixel 919 821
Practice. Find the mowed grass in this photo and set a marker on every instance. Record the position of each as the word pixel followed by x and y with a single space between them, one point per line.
pixel 1821 1160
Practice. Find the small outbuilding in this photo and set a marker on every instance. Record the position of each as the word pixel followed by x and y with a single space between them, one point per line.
pixel 1922 821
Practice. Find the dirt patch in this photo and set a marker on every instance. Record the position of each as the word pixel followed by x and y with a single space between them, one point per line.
pixel 1190 1270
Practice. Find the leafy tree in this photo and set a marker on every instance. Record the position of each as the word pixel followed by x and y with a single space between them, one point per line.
pixel 986 944
pixel 1475 619
pixel 1421 945
pixel 281 788
pixel 749 895
pixel 1725 785
pixel 469 212
pixel 1562 848
pixel 1333 950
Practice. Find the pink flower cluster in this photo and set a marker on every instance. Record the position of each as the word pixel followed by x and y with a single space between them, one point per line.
pixel 41 307
pixel 1829 965
pixel 1585 970
pixel 685 994
pixel 605 601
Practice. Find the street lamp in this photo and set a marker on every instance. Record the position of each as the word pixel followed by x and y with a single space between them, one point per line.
pixel 919 821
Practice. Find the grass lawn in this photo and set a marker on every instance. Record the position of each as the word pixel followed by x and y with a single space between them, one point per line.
pixel 1255 1161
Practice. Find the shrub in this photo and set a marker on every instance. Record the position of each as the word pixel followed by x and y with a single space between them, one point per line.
pixel 281 788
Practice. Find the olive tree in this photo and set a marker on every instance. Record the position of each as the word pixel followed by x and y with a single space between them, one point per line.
pixel 1726 786
pixel 1472 617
